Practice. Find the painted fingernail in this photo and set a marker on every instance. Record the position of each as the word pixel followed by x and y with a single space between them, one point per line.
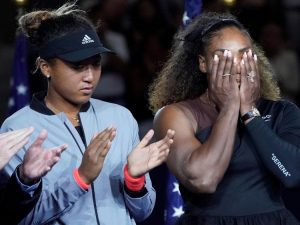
pixel 255 57
pixel 225 53
pixel 242 62
pixel 250 52
pixel 234 60
pixel 229 53
pixel 216 58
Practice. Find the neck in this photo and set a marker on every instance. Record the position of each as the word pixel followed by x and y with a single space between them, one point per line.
pixel 71 112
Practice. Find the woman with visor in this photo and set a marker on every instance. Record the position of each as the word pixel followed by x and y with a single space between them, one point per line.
pixel 102 178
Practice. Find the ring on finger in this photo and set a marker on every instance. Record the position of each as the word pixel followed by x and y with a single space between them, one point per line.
pixel 226 74
pixel 251 75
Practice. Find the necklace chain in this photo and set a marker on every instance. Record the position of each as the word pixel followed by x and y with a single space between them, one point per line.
pixel 56 111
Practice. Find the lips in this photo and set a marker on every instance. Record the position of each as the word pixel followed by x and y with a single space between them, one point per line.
pixel 87 90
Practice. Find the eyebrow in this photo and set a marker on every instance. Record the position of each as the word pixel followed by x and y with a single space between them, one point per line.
pixel 223 49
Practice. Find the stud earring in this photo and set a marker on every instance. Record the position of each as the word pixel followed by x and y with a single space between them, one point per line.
pixel 48 77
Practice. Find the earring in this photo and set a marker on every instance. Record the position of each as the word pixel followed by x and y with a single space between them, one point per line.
pixel 48 77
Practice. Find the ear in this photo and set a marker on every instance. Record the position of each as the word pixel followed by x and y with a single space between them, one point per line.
pixel 202 64
pixel 44 67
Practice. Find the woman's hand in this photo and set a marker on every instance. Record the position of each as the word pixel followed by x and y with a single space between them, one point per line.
pixel 93 157
pixel 222 86
pixel 11 142
pixel 146 157
pixel 250 82
pixel 38 161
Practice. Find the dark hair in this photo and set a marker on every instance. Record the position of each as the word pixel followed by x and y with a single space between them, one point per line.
pixel 44 25
pixel 181 78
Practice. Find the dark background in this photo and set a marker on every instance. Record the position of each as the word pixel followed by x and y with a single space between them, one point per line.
pixel 140 32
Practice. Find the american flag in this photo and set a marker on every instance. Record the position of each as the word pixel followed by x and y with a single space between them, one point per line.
pixel 174 204
pixel 19 93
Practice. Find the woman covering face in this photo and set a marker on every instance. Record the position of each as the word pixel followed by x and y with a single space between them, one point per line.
pixel 237 143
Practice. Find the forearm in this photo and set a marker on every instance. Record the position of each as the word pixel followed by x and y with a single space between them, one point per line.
pixel 17 202
pixel 206 165
pixel 280 157
pixel 54 201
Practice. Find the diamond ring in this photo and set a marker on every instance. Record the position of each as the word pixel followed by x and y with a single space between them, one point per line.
pixel 251 76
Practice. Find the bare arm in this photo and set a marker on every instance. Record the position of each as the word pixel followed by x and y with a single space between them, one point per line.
pixel 201 166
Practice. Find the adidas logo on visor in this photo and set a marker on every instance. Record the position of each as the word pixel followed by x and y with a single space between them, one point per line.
pixel 86 39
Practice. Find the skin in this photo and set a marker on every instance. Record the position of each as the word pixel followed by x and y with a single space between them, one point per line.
pixel 37 160
pixel 71 85
pixel 201 166
pixel 11 142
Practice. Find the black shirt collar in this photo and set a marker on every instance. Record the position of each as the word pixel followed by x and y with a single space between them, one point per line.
pixel 38 104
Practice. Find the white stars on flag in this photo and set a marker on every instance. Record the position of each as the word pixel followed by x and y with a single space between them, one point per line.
pixel 22 89
pixel 176 188
pixel 177 211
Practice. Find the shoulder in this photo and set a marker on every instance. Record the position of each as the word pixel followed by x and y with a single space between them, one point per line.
pixel 112 111
pixel 18 119
pixel 279 105
pixel 104 106
pixel 176 113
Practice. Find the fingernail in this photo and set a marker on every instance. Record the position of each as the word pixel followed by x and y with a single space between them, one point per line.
pixel 216 58
pixel 250 52
pixel 255 57
pixel 234 60
pixel 229 53
pixel 242 61
pixel 225 53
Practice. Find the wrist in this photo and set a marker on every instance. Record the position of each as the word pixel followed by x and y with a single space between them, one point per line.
pixel 245 108
pixel 82 183
pixel 23 178
pixel 133 183
pixel 249 115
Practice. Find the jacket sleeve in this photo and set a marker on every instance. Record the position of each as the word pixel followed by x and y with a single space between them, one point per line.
pixel 54 200
pixel 141 207
pixel 279 149
pixel 15 202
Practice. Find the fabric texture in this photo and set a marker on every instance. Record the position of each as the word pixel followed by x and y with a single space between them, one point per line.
pixel 250 191
pixel 62 200
pixel 15 202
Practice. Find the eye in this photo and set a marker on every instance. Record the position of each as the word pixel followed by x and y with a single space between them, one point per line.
pixel 97 63
pixel 77 67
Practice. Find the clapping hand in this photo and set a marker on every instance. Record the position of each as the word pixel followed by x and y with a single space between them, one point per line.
pixel 11 142
pixel 38 160
pixel 93 157
pixel 146 157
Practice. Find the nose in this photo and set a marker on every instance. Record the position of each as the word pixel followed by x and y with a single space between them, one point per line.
pixel 88 73
pixel 237 59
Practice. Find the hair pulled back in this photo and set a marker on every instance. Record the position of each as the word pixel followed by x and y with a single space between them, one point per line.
pixel 43 26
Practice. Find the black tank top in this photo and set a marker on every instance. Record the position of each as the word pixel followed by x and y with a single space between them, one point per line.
pixel 247 188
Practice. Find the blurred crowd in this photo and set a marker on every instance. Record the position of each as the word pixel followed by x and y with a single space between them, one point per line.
pixel 140 33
